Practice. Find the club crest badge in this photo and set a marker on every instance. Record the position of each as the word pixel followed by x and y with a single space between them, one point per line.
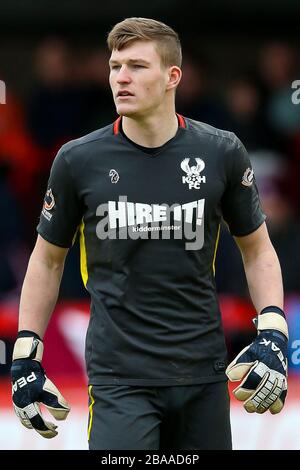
pixel 193 177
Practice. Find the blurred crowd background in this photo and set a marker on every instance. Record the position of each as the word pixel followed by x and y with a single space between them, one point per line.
pixel 238 68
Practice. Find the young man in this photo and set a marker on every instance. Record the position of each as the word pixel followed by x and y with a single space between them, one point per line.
pixel 147 194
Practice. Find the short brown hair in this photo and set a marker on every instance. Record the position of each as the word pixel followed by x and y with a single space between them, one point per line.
pixel 146 29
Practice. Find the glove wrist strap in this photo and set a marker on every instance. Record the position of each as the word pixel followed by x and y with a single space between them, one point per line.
pixel 27 334
pixel 272 321
pixel 28 347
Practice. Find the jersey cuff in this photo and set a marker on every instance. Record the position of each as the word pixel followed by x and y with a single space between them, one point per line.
pixel 52 240
pixel 249 231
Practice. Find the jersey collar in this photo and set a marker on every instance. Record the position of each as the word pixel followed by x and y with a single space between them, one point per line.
pixel 117 123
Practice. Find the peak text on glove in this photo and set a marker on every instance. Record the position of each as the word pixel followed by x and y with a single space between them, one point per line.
pixel 22 381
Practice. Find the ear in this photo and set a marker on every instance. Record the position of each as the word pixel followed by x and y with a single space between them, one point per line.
pixel 174 77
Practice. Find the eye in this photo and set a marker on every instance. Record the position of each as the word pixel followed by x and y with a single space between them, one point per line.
pixel 114 67
pixel 139 66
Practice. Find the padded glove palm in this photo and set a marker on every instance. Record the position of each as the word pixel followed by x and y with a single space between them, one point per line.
pixel 30 387
pixel 262 367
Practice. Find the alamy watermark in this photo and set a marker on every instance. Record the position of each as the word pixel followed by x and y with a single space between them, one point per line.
pixel 295 355
pixel 2 92
pixel 2 352
pixel 296 94
pixel 124 219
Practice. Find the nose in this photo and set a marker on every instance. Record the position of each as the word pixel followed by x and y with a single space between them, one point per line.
pixel 123 75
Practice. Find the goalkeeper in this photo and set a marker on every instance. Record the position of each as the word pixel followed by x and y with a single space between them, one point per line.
pixel 155 350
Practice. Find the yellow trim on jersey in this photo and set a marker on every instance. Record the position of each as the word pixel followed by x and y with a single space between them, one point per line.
pixel 83 258
pixel 215 253
pixel 90 411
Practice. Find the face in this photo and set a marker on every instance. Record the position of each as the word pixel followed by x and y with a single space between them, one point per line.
pixel 138 80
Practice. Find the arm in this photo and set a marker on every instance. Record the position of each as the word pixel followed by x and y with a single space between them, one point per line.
pixel 30 384
pixel 262 269
pixel 41 286
pixel 59 220
pixel 262 366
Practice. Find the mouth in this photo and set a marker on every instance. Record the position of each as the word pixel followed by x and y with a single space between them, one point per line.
pixel 124 94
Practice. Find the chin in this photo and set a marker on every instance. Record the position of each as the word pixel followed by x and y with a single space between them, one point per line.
pixel 125 111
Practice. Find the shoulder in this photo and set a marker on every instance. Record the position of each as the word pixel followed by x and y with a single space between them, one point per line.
pixel 73 157
pixel 221 137
pixel 85 144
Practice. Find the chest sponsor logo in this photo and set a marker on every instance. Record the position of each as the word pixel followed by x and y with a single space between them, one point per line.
pixel 123 219
pixel 193 178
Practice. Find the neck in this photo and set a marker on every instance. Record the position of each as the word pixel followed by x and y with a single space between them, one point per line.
pixel 151 131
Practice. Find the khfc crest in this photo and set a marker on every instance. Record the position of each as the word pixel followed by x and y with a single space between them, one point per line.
pixel 193 177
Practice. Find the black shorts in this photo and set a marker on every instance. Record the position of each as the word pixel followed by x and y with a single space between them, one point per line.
pixel 129 417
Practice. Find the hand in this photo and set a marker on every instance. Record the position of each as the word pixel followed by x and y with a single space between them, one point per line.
pixel 263 367
pixel 30 387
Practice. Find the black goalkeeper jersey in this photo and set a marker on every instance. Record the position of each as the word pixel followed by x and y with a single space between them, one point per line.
pixel 149 227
